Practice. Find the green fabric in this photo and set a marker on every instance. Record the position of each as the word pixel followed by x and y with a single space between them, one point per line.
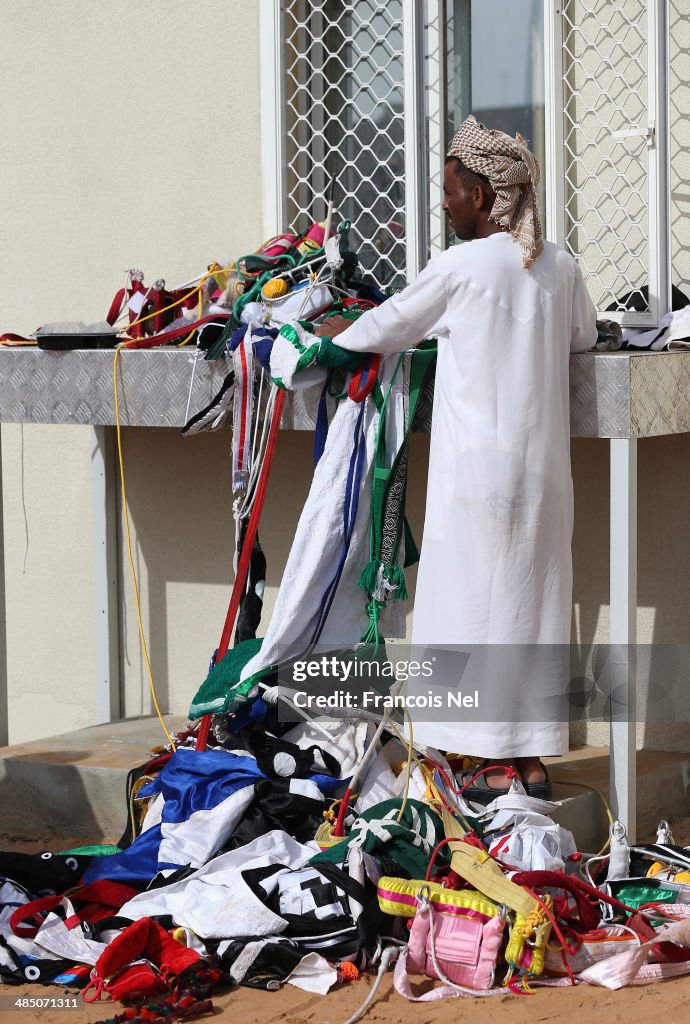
pixel 321 352
pixel 388 525
pixel 635 892
pixel 409 843
pixel 222 690
pixel 102 850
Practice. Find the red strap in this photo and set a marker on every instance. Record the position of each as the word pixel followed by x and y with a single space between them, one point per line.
pixel 115 307
pixel 583 893
pixel 96 900
pixel 31 911
pixel 363 380
pixel 179 332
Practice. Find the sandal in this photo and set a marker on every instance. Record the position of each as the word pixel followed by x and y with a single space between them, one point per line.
pixel 540 790
pixel 479 791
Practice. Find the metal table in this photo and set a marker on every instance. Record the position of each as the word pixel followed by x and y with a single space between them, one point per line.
pixel 619 396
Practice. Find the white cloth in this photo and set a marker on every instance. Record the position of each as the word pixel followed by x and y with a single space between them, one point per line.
pixel 496 563
pixel 318 542
pixel 673 332
pixel 215 901
pixel 348 744
pixel 67 943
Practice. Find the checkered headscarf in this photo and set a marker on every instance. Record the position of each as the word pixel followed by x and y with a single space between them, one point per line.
pixel 513 173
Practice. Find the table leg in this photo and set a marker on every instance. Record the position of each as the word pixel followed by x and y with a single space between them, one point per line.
pixel 4 716
pixel 623 630
pixel 105 588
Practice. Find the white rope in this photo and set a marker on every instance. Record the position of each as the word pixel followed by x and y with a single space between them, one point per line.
pixel 389 956
pixel 272 694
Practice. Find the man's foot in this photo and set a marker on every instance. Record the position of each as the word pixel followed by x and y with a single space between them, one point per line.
pixel 498 779
pixel 535 777
pixel 487 785
pixel 531 770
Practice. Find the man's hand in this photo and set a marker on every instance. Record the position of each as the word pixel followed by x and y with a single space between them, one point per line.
pixel 332 327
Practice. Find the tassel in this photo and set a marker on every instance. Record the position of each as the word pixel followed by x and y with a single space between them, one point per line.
pixel 397 578
pixel 367 580
pixel 390 579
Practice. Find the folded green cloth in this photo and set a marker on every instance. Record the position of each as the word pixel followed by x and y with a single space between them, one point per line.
pixel 222 690
pixel 409 842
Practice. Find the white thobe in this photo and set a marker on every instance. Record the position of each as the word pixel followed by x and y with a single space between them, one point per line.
pixel 495 566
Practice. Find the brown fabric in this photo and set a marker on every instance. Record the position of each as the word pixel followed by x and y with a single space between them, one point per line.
pixel 513 173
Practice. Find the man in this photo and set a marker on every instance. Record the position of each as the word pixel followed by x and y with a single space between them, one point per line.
pixel 507 309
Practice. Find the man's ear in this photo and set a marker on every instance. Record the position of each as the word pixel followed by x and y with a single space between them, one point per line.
pixel 478 197
pixel 488 198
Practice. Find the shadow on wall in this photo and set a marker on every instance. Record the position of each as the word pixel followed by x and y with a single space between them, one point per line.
pixel 663 585
pixel 180 506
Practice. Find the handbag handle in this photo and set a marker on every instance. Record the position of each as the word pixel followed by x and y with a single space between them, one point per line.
pixel 581 891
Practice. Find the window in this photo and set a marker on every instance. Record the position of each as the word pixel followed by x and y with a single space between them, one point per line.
pixel 583 80
pixel 344 119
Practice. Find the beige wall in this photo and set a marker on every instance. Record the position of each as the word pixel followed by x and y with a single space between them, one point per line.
pixel 130 138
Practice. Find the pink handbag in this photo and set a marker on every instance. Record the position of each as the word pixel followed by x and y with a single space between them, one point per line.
pixel 459 948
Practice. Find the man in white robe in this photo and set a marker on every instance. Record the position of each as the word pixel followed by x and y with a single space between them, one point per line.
pixel 507 309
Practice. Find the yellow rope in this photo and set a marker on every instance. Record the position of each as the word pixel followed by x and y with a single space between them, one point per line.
pixel 142 637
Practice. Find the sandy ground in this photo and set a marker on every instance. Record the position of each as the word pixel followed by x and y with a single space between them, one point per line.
pixel 668 1001
pixel 640 1004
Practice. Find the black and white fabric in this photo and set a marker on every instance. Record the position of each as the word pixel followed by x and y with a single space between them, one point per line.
pixel 309 894
pixel 293 805
pixel 337 915
pixel 278 757
pixel 44 874
pixel 268 963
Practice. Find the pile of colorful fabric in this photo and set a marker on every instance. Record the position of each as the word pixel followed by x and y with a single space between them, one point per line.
pixel 243 865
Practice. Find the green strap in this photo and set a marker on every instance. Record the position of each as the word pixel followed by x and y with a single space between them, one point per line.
pixel 383 474
pixel 383 479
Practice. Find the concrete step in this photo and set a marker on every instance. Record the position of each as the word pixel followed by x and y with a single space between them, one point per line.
pixel 72 787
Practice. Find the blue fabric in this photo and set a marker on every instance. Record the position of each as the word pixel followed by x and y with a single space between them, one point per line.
pixel 192 781
pixel 136 865
pixel 262 343
pixel 248 714
pixel 350 506
pixel 236 337
pixel 321 432
pixel 370 293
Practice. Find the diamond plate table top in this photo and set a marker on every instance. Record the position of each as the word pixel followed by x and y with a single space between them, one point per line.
pixel 612 394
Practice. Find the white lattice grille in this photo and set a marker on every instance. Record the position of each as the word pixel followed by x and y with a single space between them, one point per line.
pixel 679 82
pixel 344 117
pixel 606 176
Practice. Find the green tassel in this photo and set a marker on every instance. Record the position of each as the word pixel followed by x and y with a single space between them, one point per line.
pixel 397 577
pixel 392 573
pixel 367 580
